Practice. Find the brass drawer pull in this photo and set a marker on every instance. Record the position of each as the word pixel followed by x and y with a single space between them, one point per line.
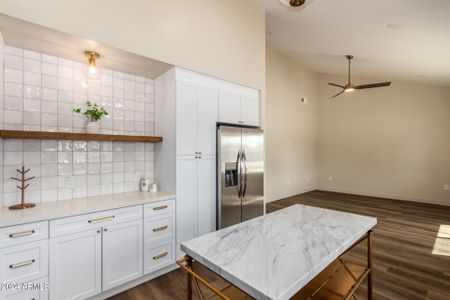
pixel 22 264
pixel 160 207
pixel 160 256
pixel 160 228
pixel 21 234
pixel 102 219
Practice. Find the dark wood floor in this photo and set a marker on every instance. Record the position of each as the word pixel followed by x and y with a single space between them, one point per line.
pixel 403 243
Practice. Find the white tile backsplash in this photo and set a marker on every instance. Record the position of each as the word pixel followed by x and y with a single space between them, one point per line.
pixel 40 92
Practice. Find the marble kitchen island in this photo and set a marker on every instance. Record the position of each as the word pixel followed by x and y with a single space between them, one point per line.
pixel 276 255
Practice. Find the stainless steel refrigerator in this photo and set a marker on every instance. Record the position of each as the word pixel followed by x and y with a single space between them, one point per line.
pixel 240 170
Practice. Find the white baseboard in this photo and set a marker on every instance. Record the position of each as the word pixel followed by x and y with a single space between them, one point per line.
pixel 291 195
pixel 386 196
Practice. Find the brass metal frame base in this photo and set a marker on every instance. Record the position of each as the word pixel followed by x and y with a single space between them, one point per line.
pixel 22 206
pixel 339 281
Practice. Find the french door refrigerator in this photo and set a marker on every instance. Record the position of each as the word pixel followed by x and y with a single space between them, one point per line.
pixel 240 174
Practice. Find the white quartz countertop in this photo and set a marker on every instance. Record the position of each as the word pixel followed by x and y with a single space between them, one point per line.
pixel 276 255
pixel 73 207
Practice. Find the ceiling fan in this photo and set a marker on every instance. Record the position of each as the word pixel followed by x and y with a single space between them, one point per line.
pixel 293 3
pixel 349 87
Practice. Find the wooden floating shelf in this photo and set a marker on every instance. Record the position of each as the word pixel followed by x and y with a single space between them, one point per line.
pixel 47 135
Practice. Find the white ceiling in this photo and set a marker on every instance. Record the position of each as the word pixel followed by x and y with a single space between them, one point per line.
pixel 321 32
pixel 22 34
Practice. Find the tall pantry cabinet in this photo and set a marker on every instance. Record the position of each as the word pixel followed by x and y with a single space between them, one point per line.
pixel 186 113
pixel 188 107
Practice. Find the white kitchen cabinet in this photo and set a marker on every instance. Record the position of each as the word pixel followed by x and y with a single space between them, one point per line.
pixel 197 115
pixel 157 256
pixel 24 233
pixel 87 248
pixel 159 235
pixel 250 110
pixel 25 262
pixel 230 108
pixel 186 199
pixel 186 118
pixel 196 188
pixel 206 195
pixel 207 116
pixel 239 105
pixel 122 253
pixel 76 265
pixel 188 106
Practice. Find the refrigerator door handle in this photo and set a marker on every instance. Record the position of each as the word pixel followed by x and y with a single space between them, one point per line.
pixel 239 174
pixel 244 159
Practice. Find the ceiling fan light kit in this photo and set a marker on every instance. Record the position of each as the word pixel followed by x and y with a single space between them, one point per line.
pixel 349 87
pixel 293 3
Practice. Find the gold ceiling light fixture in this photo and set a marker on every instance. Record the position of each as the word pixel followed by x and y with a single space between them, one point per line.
pixel 349 87
pixel 296 3
pixel 92 57
pixel 293 3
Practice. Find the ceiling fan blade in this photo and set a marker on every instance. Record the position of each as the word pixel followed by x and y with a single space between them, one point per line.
pixel 337 94
pixel 334 84
pixel 372 85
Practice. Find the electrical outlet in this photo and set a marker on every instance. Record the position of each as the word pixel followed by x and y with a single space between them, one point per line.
pixel 307 178
pixel 289 181
pixel 446 187
pixel 68 182
pixel 330 178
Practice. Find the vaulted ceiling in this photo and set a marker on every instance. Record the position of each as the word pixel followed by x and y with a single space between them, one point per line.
pixel 391 39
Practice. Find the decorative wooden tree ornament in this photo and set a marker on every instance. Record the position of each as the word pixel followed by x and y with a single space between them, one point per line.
pixel 22 204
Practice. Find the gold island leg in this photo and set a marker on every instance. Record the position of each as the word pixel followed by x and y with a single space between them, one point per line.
pixel 189 279
pixel 369 266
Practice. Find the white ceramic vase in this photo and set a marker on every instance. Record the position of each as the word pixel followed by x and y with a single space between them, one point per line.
pixel 93 127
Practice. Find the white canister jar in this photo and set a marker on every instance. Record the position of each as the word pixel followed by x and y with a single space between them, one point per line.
pixel 145 184
pixel 154 188
pixel 93 127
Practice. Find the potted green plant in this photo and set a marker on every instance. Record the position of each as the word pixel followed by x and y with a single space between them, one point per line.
pixel 94 113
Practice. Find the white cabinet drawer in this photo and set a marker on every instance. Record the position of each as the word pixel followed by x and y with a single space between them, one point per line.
pixel 34 290
pixel 21 234
pixel 158 256
pixel 159 208
pixel 159 228
pixel 24 262
pixel 95 220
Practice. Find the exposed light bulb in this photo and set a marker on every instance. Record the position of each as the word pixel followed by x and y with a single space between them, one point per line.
pixel 92 69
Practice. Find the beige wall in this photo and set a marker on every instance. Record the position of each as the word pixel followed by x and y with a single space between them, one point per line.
pixel 221 38
pixel 390 142
pixel 290 130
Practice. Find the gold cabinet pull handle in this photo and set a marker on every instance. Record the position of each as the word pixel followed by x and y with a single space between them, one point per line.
pixel 22 264
pixel 160 207
pixel 102 219
pixel 21 234
pixel 160 228
pixel 160 255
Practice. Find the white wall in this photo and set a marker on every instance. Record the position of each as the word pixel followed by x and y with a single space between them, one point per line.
pixel 290 131
pixel 40 93
pixel 221 38
pixel 391 142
